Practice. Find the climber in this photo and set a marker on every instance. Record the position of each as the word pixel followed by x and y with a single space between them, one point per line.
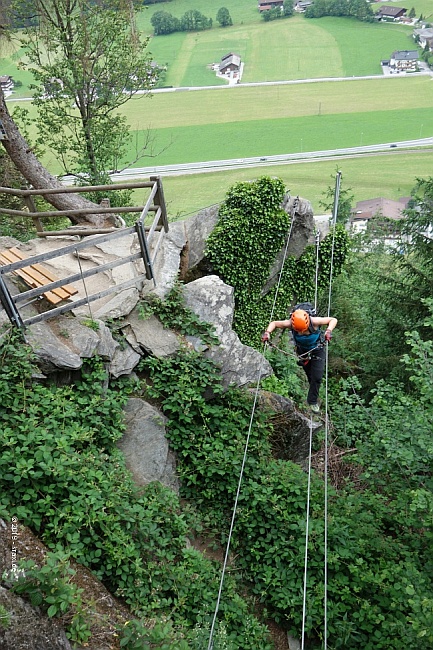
pixel 310 346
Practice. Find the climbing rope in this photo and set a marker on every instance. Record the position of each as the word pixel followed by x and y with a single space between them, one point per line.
pixel 316 280
pixel 325 602
pixel 307 522
pixel 325 541
pixel 256 393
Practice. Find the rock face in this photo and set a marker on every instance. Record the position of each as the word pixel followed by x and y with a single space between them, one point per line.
pixel 145 446
pixel 213 301
pixel 301 233
pixel 61 344
pixel 149 336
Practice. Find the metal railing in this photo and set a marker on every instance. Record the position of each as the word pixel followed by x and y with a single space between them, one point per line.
pixel 149 240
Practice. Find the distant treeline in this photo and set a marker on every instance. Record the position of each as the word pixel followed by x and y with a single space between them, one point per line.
pixel 359 9
pixel 191 21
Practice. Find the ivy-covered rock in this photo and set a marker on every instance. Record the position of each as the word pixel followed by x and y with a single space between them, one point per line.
pixel 247 249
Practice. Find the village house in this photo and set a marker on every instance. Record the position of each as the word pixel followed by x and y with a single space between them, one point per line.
pixel 390 13
pixel 424 37
pixel 6 83
pixel 404 61
pixel 302 5
pixel 230 63
pixel 377 207
pixel 270 4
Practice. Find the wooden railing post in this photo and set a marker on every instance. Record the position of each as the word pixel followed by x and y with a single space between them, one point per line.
pixel 159 201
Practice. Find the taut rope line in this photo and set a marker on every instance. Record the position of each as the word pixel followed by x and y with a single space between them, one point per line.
pixel 212 629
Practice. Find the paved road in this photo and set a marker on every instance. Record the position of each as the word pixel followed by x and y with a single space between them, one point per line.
pixel 385 75
pixel 263 161
pixel 237 163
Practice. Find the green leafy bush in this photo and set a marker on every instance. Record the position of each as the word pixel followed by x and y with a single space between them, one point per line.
pixel 242 248
pixel 62 474
pixel 50 587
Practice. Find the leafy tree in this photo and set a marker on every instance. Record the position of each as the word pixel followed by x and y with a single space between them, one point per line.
pixel 272 14
pixel 164 23
pixel 359 9
pixel 223 17
pixel 27 163
pixel 87 60
pixel 288 8
pixel 194 21
pixel 411 281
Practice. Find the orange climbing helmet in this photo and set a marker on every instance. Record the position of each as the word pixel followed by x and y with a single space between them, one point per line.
pixel 300 320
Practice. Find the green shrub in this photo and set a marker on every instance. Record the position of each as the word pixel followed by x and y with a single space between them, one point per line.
pixel 242 248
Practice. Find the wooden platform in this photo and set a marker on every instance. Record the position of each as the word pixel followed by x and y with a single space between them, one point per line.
pixel 36 275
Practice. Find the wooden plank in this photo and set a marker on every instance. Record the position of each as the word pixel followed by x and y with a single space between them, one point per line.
pixel 30 276
pixel 64 291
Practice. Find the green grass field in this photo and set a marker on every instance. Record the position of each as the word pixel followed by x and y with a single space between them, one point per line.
pixel 240 122
pixel 280 50
pixel 391 176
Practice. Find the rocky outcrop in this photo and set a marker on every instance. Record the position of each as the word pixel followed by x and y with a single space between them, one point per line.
pixel 145 446
pixel 149 336
pixel 61 344
pixel 213 301
pixel 301 233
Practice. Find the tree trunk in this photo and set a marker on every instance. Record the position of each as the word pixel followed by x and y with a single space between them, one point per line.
pixel 38 177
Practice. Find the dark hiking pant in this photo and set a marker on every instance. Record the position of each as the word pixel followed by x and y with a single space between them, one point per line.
pixel 314 370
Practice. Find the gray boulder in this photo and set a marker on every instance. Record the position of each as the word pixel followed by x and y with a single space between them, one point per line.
pixel 212 300
pixel 198 228
pixel 149 336
pixel 145 446
pixel 63 343
pixel 167 263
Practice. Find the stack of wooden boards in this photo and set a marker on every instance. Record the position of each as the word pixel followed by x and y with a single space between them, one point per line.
pixel 36 275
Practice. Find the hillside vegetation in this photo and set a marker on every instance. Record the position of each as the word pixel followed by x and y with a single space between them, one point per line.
pixel 63 475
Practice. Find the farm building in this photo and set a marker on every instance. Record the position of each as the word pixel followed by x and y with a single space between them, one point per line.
pixel 366 210
pixel 390 13
pixel 424 37
pixel 270 4
pixel 302 5
pixel 230 63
